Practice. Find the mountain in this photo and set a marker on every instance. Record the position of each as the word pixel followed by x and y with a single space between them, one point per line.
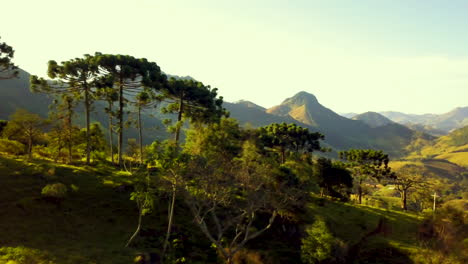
pixel 303 109
pixel 341 132
pixel 15 93
pixel 373 119
pixel 250 105
pixel 348 115
pixel 432 123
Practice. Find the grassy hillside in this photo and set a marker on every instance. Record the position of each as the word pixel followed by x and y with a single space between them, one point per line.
pixel 452 147
pixel 96 219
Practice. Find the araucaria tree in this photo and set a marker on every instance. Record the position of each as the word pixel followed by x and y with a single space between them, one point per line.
pixel 285 138
pixel 194 101
pixel 7 67
pixel 366 164
pixel 128 75
pixel 76 78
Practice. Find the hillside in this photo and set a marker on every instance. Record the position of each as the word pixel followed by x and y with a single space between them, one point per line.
pixel 452 147
pixel 97 218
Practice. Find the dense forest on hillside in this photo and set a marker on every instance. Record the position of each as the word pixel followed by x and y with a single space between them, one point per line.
pixel 210 189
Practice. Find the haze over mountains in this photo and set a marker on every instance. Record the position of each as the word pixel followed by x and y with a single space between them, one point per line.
pixel 430 123
pixel 368 130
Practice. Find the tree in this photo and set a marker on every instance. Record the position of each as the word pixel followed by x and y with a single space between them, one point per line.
pixel 289 137
pixel 8 69
pixel 25 127
pixel 76 78
pixel 332 178
pixel 194 101
pixel 64 132
pixel 128 75
pixel 171 165
pixel 232 190
pixel 109 95
pixel 365 164
pixel 144 99
pixel 408 177
pixel 230 200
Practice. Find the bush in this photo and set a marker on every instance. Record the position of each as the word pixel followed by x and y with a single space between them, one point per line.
pixel 23 255
pixel 12 147
pixel 318 244
pixel 55 192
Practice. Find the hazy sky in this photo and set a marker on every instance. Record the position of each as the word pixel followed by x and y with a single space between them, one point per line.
pixel 355 56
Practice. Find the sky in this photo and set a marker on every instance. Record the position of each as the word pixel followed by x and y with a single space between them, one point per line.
pixel 354 56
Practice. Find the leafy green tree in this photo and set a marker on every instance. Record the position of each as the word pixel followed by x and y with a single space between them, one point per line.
pixel 289 137
pixel 317 246
pixel 63 131
pixel 25 127
pixel 407 178
pixel 76 78
pixel 171 165
pixel 229 184
pixel 194 101
pixel 332 178
pixel 8 69
pixel 128 75
pixel 366 164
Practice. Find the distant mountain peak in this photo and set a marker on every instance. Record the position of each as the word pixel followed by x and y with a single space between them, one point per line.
pixel 373 119
pixel 301 98
pixel 250 104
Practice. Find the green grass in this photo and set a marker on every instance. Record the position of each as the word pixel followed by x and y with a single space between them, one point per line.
pixel 351 223
pixel 90 226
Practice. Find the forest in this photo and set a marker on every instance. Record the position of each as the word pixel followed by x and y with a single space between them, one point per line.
pixel 211 191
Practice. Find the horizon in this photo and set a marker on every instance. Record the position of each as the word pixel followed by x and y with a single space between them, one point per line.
pixel 354 57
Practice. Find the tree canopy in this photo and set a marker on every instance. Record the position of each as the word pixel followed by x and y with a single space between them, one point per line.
pixel 7 68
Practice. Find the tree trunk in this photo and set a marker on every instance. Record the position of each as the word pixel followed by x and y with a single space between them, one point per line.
pixel 70 134
pixel 283 155
pixel 30 146
pixel 179 119
pixel 140 134
pixel 140 216
pixel 169 224
pixel 403 200
pixel 88 141
pixel 360 192
pixel 111 134
pixel 120 136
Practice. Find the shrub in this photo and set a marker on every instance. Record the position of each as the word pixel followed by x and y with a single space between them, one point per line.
pixel 318 244
pixel 55 192
pixel 23 255
pixel 12 147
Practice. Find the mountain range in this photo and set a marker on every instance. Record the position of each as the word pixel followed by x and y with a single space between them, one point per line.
pixel 368 130
pixel 433 124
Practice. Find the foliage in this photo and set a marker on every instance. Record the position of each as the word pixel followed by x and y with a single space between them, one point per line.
pixel 56 190
pixel 366 164
pixel 12 147
pixel 24 255
pixel 333 178
pixel 25 127
pixel 7 68
pixel 194 101
pixel 318 244
pixel 289 137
